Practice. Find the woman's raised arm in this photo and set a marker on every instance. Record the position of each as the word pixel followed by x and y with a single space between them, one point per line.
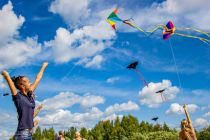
pixel 39 76
pixel 10 82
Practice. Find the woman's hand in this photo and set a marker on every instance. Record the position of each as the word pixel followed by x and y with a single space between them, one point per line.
pixel 45 64
pixel 4 73
pixel 184 106
pixel 40 106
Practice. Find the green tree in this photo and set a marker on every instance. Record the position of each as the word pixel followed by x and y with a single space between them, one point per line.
pixel 165 127
pixel 38 134
pixel 84 133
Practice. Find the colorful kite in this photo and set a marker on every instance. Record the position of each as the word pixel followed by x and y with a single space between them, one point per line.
pixel 133 66
pixel 161 93
pixel 113 18
pixel 169 29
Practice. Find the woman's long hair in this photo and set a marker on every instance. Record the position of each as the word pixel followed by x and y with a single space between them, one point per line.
pixel 17 81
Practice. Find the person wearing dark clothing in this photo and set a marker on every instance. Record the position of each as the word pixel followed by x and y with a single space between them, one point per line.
pixel 24 101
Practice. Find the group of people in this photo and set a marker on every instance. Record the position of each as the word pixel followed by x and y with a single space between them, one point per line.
pixel 24 99
pixel 62 136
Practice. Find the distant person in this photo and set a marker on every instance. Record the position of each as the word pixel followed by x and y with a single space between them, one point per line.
pixel 24 101
pixel 61 136
pixel 187 131
pixel 78 137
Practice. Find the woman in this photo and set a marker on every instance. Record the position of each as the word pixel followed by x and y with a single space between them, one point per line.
pixel 187 131
pixel 24 101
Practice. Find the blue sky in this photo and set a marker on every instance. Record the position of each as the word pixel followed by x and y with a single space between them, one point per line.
pixel 87 80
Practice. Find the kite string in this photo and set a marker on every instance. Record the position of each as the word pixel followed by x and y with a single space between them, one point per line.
pixel 69 72
pixel 177 72
pixel 141 77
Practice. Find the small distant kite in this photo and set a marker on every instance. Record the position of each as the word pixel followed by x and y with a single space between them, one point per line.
pixel 133 66
pixel 5 94
pixel 155 119
pixel 169 29
pixel 113 18
pixel 161 92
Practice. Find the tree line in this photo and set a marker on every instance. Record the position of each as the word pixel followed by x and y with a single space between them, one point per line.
pixel 127 128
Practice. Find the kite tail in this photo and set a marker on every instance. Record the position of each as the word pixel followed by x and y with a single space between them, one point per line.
pixel 141 77
pixel 157 27
pixel 204 40
pixel 134 26
pixel 162 97
pixel 196 30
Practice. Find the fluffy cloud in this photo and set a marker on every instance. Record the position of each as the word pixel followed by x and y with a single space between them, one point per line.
pixel 4 117
pixel 207 114
pixel 2 85
pixel 85 42
pixel 122 107
pixel 9 24
pixel 65 118
pixel 23 51
pixel 67 99
pixel 175 108
pixel 149 97
pixel 5 135
pixel 180 11
pixel 200 123
pixel 55 110
pixel 113 117
pixel 71 10
pixel 94 63
pixel 112 80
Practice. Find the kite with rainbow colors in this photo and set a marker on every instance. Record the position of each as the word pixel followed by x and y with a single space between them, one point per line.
pixel 113 18
pixel 168 30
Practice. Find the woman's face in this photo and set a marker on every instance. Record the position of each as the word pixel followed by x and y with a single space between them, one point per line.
pixel 184 123
pixel 26 83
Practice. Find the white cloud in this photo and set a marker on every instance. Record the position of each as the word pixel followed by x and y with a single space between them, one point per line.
pixel 2 84
pixel 4 117
pixel 175 108
pixel 67 99
pixel 81 43
pixel 73 11
pixel 18 53
pixel 180 11
pixel 149 97
pixel 121 107
pixel 113 117
pixel 5 135
pixel 207 114
pixel 91 100
pixel 65 118
pixel 55 110
pixel 14 52
pixel 201 123
pixel 112 80
pixel 95 63
pixel 9 23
